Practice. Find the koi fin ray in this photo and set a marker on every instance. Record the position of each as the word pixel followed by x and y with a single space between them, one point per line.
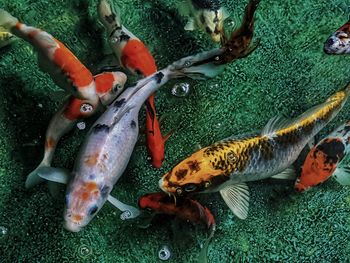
pixel 287 174
pixel 274 124
pixel 129 211
pixel 342 175
pixel 237 199
pixel 57 175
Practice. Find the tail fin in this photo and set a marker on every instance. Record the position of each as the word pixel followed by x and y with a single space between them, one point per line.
pixel 108 15
pixel 7 21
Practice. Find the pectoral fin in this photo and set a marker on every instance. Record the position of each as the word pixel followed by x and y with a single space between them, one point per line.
pixel 129 211
pixel 342 175
pixel 58 175
pixel 237 199
pixel 287 174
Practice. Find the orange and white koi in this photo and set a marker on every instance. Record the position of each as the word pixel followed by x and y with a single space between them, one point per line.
pixel 134 55
pixel 227 165
pixel 70 74
pixel 339 41
pixel 324 160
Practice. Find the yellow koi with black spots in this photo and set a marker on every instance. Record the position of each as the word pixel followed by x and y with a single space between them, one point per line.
pixel 226 165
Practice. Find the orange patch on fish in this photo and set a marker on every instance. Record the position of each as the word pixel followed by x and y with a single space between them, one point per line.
pixel 92 159
pixel 76 71
pixel 77 218
pixel 136 56
pixel 50 143
pixel 104 82
pixel 90 186
pixel 85 196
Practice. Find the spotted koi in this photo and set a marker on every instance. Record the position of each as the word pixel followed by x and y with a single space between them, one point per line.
pixel 227 165
pixel 339 42
pixel 324 159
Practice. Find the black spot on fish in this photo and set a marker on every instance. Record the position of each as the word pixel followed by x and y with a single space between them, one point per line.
pixel 334 150
pixel 194 166
pixel 216 19
pixel 180 174
pixel 104 191
pixel 138 72
pixel 114 30
pixel 124 37
pixel 119 103
pixel 159 76
pixel 208 30
pixel 100 128
pixel 110 19
pixel 133 124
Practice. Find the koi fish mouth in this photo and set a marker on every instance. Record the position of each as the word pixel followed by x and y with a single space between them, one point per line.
pixel 336 45
pixel 73 223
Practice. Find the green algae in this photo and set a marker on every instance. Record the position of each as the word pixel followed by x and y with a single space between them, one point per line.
pixel 287 74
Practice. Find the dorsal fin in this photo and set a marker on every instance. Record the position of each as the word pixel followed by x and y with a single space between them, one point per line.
pixel 274 124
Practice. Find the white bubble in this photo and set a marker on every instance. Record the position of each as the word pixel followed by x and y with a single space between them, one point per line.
pixel 85 108
pixel 3 231
pixel 164 253
pixel 180 89
pixel 81 125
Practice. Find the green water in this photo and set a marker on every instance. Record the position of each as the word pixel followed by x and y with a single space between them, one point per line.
pixel 287 74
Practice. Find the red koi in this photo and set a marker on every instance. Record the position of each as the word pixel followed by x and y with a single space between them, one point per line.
pixel 184 208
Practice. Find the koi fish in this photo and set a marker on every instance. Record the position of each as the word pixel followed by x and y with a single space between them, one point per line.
pixel 185 208
pixel 88 92
pixel 324 160
pixel 205 15
pixel 134 56
pixel 339 41
pixel 108 86
pixel 54 58
pixel 227 165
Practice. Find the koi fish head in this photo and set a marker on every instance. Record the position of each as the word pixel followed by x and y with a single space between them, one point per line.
pixel 109 85
pixel 320 163
pixel 339 41
pixel 212 22
pixel 83 200
pixel 192 175
pixel 154 201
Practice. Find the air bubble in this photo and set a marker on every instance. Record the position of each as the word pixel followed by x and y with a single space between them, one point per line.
pixel 81 125
pixel 180 89
pixel 3 231
pixel 84 251
pixel 164 253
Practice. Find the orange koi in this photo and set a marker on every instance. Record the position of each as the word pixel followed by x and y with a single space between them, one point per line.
pixel 134 55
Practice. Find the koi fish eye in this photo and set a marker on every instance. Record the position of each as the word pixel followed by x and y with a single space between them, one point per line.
pixel 207 184
pixel 117 87
pixel 93 210
pixel 86 107
pixel 190 187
